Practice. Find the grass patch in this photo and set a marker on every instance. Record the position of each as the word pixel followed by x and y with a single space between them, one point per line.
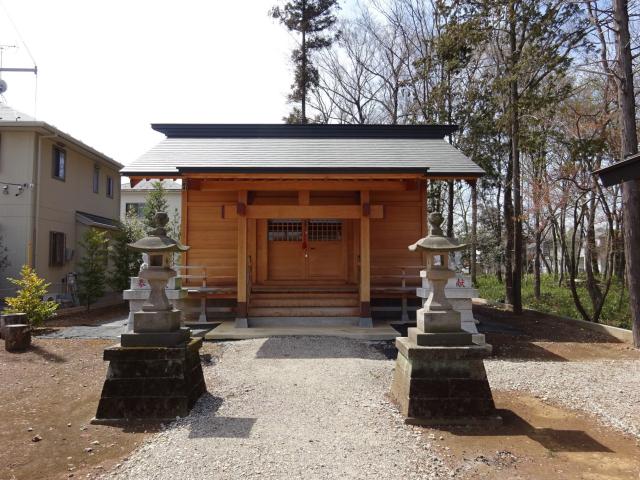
pixel 557 300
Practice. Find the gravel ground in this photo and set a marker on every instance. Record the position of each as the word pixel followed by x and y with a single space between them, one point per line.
pixel 312 408
pixel 608 389
pixel 316 408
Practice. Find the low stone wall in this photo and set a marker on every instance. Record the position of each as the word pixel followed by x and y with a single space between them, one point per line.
pixel 482 307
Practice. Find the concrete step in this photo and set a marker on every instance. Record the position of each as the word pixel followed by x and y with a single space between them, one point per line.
pixel 318 322
pixel 303 311
pixel 309 301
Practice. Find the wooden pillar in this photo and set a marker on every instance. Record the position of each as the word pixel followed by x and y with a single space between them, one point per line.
pixel 365 260
pixel 184 215
pixel 241 309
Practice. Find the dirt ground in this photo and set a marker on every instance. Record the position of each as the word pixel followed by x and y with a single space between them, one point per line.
pixel 539 441
pixel 93 317
pixel 51 392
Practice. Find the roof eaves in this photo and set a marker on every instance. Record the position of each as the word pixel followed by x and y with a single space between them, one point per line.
pixel 204 130
pixel 46 128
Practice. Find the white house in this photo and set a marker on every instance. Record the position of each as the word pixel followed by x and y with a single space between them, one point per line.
pixel 133 198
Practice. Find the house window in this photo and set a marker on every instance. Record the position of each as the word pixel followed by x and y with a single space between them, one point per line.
pixel 137 208
pixel 109 187
pixel 59 163
pixel 96 179
pixel 56 249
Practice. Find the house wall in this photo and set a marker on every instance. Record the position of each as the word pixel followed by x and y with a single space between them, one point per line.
pixel 59 200
pixel 17 152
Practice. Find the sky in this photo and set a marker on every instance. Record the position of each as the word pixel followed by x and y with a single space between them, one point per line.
pixel 108 69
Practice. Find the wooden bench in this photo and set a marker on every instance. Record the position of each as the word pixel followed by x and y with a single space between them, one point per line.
pixel 207 288
pixel 396 284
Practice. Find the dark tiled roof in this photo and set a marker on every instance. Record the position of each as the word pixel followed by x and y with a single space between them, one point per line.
pixel 96 220
pixel 333 148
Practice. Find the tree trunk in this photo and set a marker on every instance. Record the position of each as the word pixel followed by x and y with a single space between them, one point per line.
pixel 304 69
pixel 514 100
pixel 508 227
pixel 536 261
pixel 474 231
pixel 631 189
pixel 450 205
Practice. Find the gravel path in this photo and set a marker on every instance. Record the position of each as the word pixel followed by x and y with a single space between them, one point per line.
pixel 299 408
pixel 608 389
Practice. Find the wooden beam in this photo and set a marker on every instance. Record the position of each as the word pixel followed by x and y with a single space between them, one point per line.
pixel 242 258
pixel 315 185
pixel 301 176
pixel 365 258
pixel 310 211
pixel 304 197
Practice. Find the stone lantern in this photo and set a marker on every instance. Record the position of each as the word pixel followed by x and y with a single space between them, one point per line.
pixel 158 323
pixel 155 372
pixel 440 377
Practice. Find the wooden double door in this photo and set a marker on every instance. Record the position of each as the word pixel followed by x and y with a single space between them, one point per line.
pixel 306 250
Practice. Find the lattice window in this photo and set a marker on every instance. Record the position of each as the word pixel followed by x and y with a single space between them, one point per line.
pixel 325 230
pixel 285 230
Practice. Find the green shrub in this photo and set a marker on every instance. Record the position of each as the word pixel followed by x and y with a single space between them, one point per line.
pixel 28 299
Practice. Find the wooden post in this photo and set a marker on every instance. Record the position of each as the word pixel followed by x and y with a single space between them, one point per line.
pixel 17 337
pixel 241 310
pixel 184 206
pixel 365 261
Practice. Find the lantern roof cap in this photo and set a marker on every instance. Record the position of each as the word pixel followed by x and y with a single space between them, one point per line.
pixel 157 241
pixel 436 241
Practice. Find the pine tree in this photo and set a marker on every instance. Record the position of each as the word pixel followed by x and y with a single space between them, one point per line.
pixel 28 299
pixel 126 263
pixel 313 20
pixel 155 201
pixel 92 267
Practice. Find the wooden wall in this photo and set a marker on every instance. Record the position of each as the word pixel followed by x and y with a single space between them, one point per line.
pixel 213 240
pixel 403 224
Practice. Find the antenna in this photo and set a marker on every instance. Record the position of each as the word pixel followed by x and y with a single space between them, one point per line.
pixel 3 84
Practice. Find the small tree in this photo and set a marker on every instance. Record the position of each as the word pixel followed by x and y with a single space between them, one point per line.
pixel 4 255
pixel 28 299
pixel 156 201
pixel 92 267
pixel 126 263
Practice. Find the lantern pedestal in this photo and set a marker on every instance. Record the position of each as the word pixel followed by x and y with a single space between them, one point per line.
pixel 150 384
pixel 443 385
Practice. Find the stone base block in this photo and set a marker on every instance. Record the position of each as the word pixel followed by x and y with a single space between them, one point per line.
pixel 438 321
pixel 150 384
pixel 151 322
pixel 443 339
pixel 156 339
pixel 442 385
